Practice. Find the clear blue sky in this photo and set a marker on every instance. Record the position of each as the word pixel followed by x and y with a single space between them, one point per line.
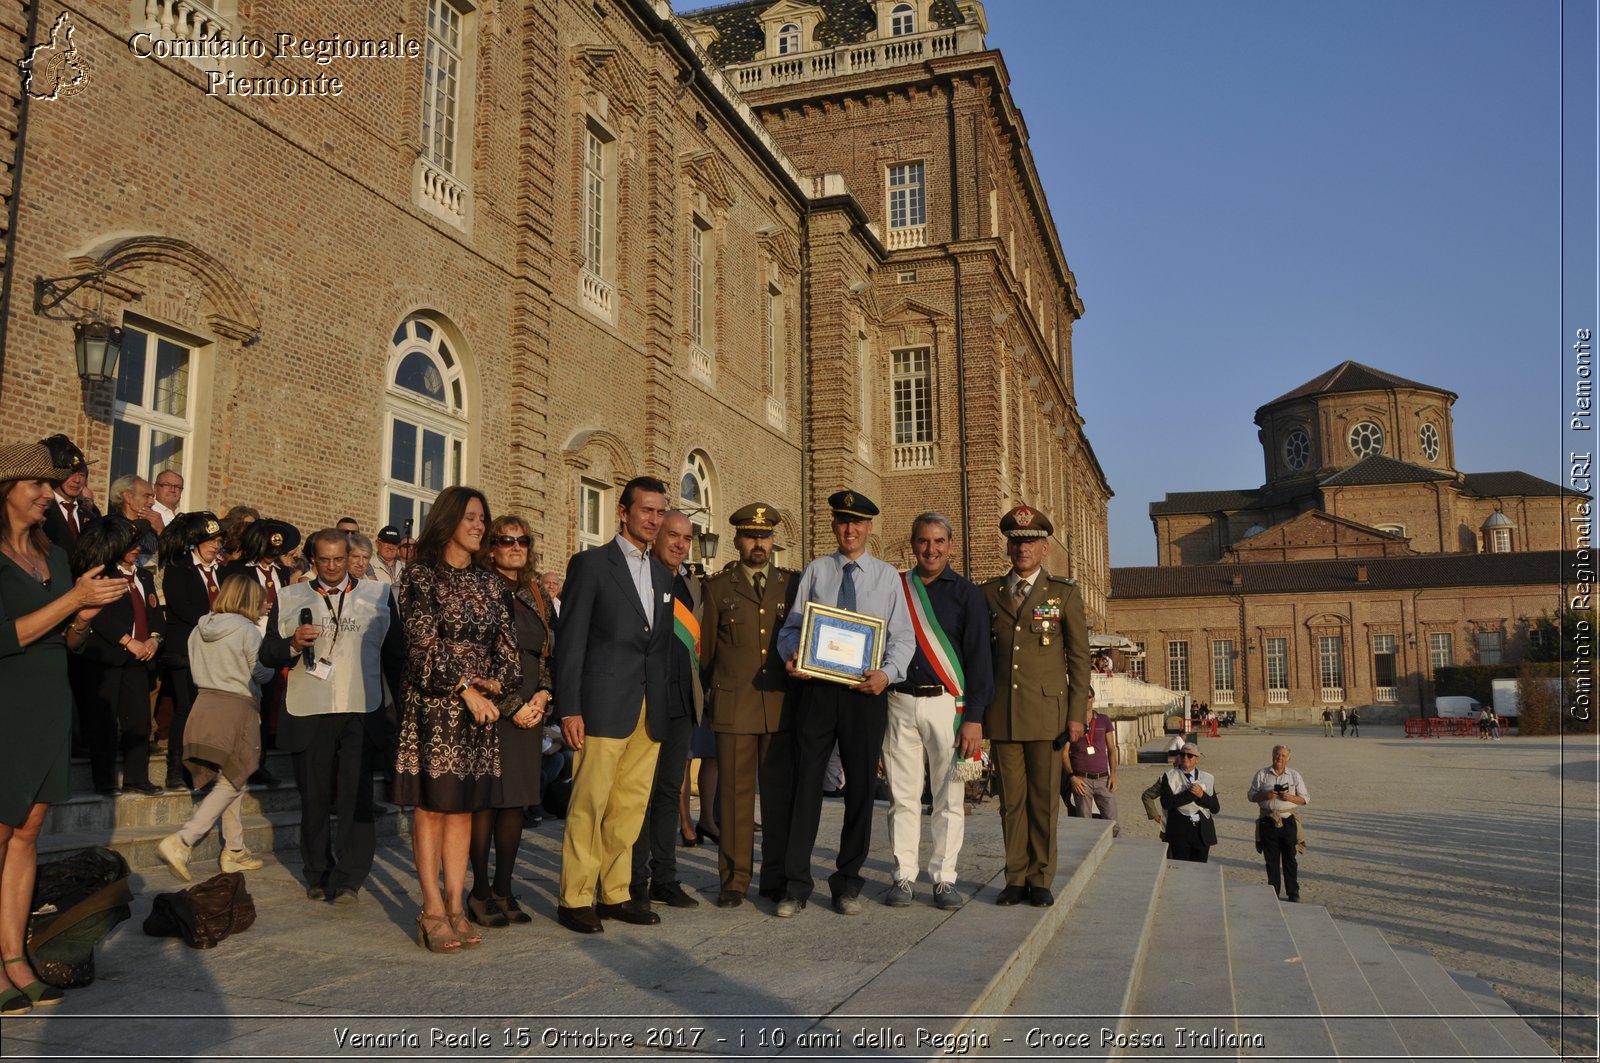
pixel 1250 193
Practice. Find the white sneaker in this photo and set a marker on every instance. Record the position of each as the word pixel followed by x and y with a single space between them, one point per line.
pixel 239 860
pixel 175 854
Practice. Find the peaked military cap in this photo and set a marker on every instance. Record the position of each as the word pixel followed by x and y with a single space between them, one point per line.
pixel 1025 522
pixel 757 518
pixel 852 505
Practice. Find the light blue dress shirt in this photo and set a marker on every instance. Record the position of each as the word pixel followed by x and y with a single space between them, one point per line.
pixel 639 566
pixel 878 593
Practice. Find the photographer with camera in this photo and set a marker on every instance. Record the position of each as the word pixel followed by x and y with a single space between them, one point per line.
pixel 1279 791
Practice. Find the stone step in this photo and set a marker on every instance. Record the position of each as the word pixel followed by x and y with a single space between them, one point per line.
pixel 1355 1019
pixel 1269 976
pixel 971 964
pixel 1424 1034
pixel 81 778
pixel 263 833
pixel 1446 998
pixel 1185 979
pixel 88 813
pixel 1090 967
pixel 1518 1034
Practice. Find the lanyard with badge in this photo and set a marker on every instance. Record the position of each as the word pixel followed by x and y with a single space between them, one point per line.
pixel 322 668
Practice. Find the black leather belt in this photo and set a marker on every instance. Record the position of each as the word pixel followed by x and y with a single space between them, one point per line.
pixel 932 690
pixel 1093 774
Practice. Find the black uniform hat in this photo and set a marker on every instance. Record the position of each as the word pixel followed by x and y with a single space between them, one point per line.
pixel 104 542
pixel 64 454
pixel 268 538
pixel 1025 522
pixel 852 505
pixel 758 518
pixel 184 533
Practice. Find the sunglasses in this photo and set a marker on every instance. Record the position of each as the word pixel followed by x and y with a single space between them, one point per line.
pixel 1189 756
pixel 512 540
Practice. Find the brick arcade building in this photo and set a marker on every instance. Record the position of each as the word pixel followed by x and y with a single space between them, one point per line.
pixel 1363 563
pixel 542 248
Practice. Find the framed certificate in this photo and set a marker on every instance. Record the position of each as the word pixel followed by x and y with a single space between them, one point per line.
pixel 838 645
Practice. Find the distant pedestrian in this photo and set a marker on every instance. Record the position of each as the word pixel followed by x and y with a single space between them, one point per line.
pixel 1484 716
pixel 1327 723
pixel 1344 724
pixel 1355 723
pixel 1279 791
pixel 1494 726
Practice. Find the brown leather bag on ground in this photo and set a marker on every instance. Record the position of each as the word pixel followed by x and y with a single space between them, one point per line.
pixel 204 914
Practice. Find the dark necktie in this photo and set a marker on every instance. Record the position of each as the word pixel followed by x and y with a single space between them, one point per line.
pixel 271 586
pixel 72 516
pixel 761 584
pixel 211 585
pixel 1021 594
pixel 141 620
pixel 847 588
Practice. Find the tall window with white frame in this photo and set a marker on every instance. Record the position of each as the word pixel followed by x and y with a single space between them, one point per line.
pixel 1330 664
pixel 788 39
pixel 599 208
pixel 697 492
pixel 902 20
pixel 594 504
pixel 1277 671
pixel 697 284
pixel 1441 649
pixel 1384 669
pixel 908 206
pixel 777 353
pixel 1178 665
pixel 1136 663
pixel 446 110
pixel 1222 672
pixel 911 381
pixel 426 421
pixel 152 419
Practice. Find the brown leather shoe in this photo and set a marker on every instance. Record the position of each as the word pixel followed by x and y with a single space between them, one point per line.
pixel 729 899
pixel 627 913
pixel 1012 895
pixel 581 920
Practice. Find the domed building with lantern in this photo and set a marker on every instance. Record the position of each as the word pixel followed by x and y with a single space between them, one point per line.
pixel 1365 561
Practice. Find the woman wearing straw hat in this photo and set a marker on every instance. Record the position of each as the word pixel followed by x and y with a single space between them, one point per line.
pixel 43 613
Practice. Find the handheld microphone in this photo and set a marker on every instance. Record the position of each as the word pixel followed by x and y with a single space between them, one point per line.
pixel 305 654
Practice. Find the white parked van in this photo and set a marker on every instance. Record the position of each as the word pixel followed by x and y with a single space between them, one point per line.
pixel 1457 706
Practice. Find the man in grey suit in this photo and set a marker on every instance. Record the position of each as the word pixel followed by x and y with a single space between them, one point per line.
pixel 611 693
pixel 655 854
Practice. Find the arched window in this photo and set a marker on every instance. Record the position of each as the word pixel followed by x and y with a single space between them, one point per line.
pixel 697 491
pixel 788 39
pixel 425 422
pixel 902 20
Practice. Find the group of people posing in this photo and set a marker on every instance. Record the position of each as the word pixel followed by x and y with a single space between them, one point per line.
pixel 466 642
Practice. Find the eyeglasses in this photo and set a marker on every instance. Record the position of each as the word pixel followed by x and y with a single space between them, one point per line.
pixel 512 540
pixel 1189 756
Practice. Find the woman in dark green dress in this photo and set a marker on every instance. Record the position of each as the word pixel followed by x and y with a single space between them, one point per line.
pixel 43 613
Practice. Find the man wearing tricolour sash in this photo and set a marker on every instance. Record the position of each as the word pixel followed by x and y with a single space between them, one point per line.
pixel 936 713
pixel 332 724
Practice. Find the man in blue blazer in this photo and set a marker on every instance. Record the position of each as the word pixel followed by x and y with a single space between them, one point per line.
pixel 611 674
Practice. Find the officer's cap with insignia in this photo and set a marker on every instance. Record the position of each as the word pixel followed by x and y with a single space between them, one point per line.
pixel 1025 522
pixel 851 505
pixel 268 538
pixel 758 518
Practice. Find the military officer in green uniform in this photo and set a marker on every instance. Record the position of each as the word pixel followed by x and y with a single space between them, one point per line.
pixel 1041 677
pixel 748 699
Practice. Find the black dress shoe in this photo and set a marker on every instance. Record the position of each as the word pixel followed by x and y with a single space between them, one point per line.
pixel 728 899
pixel 774 894
pixel 579 920
pixel 1012 895
pixel 316 893
pixel 175 782
pixel 672 894
pixel 627 913
pixel 1040 896
pixel 149 789
pixel 262 777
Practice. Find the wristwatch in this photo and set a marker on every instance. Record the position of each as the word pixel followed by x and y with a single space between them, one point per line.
pixel 461 687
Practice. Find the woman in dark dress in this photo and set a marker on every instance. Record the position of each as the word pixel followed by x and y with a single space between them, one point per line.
pixel 508 552
pixel 43 613
pixel 119 654
pixel 461 654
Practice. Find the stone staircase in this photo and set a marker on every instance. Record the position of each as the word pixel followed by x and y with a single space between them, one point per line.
pixel 1145 959
pixel 133 824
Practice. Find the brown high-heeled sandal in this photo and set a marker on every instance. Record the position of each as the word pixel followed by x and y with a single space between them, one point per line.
pixel 468 937
pixel 435 935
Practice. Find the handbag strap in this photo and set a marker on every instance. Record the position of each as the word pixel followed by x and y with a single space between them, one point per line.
pixel 111 895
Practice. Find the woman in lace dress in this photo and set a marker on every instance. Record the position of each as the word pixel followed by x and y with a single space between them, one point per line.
pixel 461 656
